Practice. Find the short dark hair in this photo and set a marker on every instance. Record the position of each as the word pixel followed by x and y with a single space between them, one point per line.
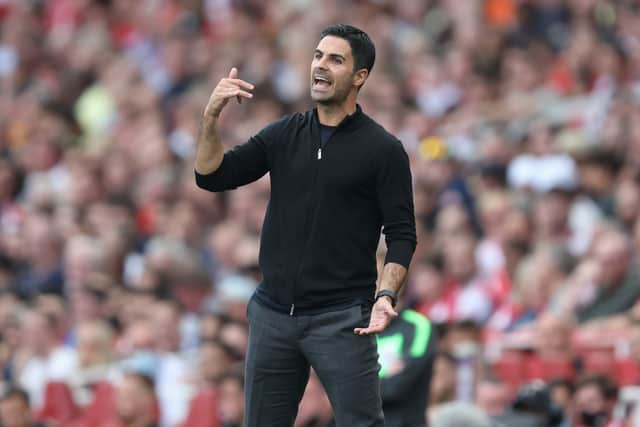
pixel 146 381
pixel 231 352
pixel 562 383
pixel 11 391
pixel 603 383
pixel 362 48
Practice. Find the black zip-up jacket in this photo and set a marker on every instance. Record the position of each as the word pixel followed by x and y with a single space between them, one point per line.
pixel 327 206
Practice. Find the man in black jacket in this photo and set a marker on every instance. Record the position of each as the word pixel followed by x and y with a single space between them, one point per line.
pixel 337 178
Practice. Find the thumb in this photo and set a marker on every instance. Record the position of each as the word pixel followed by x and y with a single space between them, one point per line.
pixel 388 309
pixel 385 306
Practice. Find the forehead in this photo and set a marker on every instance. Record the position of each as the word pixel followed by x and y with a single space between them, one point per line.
pixel 588 391
pixel 12 402
pixel 335 45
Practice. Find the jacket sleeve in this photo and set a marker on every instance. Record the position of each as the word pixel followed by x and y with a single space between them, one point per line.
pixel 395 201
pixel 244 163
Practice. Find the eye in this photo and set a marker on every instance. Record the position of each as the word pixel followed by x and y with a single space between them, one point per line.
pixel 317 55
pixel 337 60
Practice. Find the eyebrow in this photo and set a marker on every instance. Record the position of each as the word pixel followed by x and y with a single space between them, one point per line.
pixel 331 55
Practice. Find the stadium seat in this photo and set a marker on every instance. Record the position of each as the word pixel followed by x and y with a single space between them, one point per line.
pixel 548 368
pixel 627 372
pixel 102 408
pixel 598 361
pixel 101 412
pixel 510 368
pixel 203 410
pixel 59 406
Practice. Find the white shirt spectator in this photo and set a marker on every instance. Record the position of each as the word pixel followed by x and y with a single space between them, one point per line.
pixel 173 389
pixel 543 173
pixel 60 365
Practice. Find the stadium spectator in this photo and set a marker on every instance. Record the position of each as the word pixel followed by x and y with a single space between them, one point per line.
pixel 42 258
pixel 532 407
pixel 464 295
pixel 459 414
pixel 444 383
pixel 616 287
pixel 135 401
pixel 215 360
pixel 492 396
pixel 43 358
pixel 15 410
pixel 231 404
pixel 95 359
pixel 594 400
pixel 562 396
pixel 552 337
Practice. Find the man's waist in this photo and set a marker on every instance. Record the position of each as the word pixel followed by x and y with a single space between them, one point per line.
pixel 307 309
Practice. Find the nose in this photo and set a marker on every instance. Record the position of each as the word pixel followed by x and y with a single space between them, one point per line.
pixel 321 63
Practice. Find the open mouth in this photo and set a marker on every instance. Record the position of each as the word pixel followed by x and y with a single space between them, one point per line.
pixel 320 82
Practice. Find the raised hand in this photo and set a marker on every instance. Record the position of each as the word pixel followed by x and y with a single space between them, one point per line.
pixel 228 87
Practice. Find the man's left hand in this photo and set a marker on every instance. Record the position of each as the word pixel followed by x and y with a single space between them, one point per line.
pixel 381 315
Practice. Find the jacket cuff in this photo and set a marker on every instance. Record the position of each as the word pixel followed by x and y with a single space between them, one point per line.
pixel 209 181
pixel 400 252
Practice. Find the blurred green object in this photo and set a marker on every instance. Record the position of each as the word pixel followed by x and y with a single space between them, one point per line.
pixel 95 111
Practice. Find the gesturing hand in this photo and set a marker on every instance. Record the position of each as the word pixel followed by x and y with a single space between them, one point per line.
pixel 228 87
pixel 381 315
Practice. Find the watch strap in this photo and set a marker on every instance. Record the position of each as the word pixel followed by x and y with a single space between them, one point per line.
pixel 388 293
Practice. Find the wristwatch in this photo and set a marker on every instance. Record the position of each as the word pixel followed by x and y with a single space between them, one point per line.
pixel 388 293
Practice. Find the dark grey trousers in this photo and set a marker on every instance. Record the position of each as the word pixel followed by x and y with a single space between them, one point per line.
pixel 281 350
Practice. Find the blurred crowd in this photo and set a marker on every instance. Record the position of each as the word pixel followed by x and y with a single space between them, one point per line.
pixel 123 287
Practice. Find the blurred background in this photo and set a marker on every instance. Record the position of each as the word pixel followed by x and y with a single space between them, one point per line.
pixel 123 287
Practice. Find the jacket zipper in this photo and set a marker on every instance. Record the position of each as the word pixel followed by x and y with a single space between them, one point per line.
pixel 311 219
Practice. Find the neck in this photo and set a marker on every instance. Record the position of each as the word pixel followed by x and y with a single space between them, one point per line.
pixel 333 114
pixel 45 350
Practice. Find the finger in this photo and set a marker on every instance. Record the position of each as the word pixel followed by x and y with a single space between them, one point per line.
pixel 373 329
pixel 231 92
pixel 244 94
pixel 233 74
pixel 224 89
pixel 240 83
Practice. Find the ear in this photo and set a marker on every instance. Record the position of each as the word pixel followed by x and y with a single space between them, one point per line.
pixel 360 77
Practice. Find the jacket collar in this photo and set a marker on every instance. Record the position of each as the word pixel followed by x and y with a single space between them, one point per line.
pixel 347 121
